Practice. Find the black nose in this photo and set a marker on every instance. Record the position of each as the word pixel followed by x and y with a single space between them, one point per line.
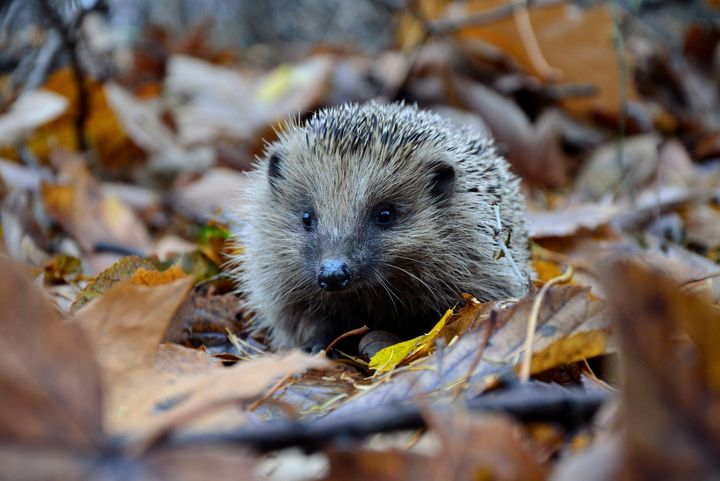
pixel 334 275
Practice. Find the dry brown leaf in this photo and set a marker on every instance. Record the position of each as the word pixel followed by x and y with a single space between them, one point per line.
pixel 579 42
pixel 227 103
pixel 671 392
pixel 114 150
pixel 604 173
pixel 120 270
pixel 570 321
pixel 216 191
pixel 49 379
pixel 533 150
pixel 388 465
pixel 51 404
pixel 126 326
pixel 484 447
pixel 67 463
pixel 142 123
pixel 206 315
pixel 702 224
pixel 569 220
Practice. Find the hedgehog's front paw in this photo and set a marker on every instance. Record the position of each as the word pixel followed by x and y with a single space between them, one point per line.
pixel 313 348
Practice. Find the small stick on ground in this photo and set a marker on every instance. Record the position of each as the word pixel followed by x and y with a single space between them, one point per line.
pixel 504 247
pixel 354 332
pixel 532 321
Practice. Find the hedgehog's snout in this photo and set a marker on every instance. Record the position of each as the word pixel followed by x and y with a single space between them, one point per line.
pixel 334 275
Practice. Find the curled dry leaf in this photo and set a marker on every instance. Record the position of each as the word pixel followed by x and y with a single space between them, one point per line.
pixel 142 123
pixel 575 41
pixel 227 103
pixel 387 465
pixel 533 150
pixel 471 447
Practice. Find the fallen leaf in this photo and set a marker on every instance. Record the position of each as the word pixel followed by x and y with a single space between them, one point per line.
pixel 28 112
pixel 49 378
pixel 671 388
pixel 206 316
pixel 142 123
pixel 79 205
pixel 576 41
pixel 120 270
pixel 392 356
pixel 217 190
pixel 605 172
pixel 151 277
pixel 570 320
pixel 484 447
pixel 126 326
pixel 569 220
pixel 532 150
pixel 389 465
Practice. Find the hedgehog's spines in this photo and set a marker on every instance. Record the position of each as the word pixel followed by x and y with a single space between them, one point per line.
pixel 343 161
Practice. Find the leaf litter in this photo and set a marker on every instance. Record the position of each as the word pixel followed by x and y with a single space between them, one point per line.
pixel 133 353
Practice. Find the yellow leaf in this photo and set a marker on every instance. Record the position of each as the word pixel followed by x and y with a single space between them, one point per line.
pixel 568 350
pixel 389 358
pixel 276 85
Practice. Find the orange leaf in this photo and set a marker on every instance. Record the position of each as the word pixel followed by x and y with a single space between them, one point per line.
pixel 146 277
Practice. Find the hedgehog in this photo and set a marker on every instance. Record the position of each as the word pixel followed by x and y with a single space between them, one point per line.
pixel 377 215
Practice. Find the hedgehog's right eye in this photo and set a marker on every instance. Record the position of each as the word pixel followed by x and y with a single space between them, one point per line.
pixel 307 219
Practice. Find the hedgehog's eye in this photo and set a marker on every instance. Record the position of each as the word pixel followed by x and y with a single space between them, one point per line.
pixel 384 215
pixel 307 219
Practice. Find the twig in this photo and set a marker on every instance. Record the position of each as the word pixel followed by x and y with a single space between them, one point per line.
pixel 503 246
pixel 354 332
pixel 70 41
pixel 622 117
pixel 275 387
pixel 540 402
pixel 532 322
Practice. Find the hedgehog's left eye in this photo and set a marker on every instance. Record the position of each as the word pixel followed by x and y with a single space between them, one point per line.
pixel 384 215
pixel 307 219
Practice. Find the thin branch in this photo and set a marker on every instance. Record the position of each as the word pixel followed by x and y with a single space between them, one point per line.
pixel 70 42
pixel 527 403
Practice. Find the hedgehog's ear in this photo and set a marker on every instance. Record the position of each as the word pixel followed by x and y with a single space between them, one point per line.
pixel 274 171
pixel 442 182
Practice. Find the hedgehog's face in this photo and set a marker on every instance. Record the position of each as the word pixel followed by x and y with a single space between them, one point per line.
pixel 356 224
